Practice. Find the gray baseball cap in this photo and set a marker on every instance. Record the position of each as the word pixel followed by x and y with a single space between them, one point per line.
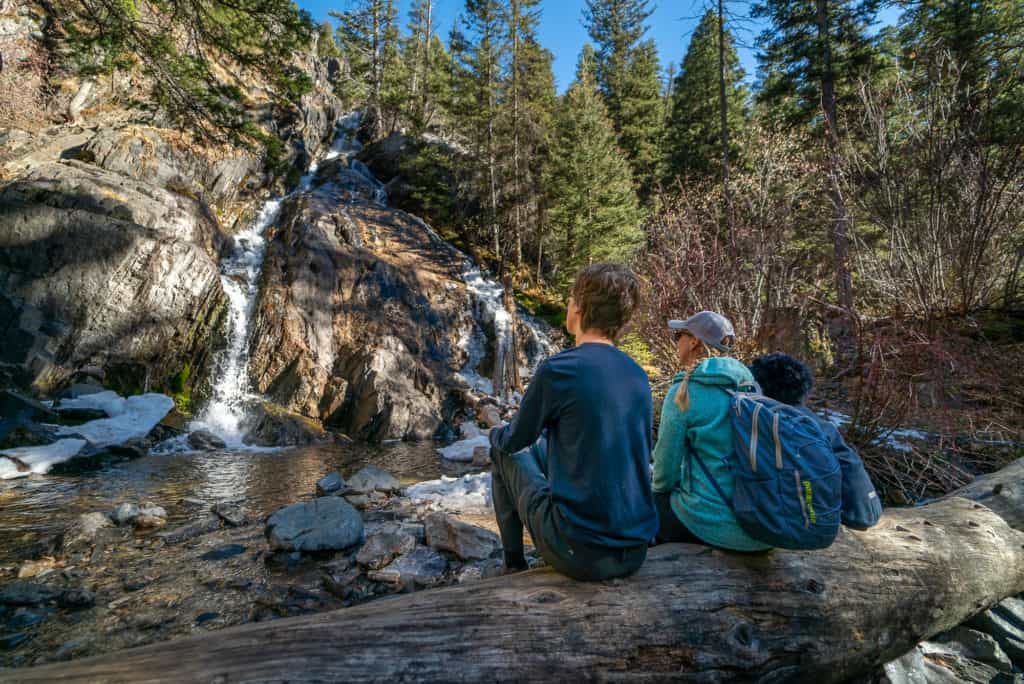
pixel 709 327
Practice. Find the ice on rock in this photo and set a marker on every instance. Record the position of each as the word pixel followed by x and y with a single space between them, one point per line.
pixel 469 494
pixel 38 459
pixel 140 415
pixel 463 449
pixel 110 402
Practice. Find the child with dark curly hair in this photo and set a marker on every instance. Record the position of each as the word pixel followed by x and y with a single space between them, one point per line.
pixel 786 379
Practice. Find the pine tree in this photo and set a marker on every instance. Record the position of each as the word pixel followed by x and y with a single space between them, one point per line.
pixel 182 49
pixel 484 55
pixel 980 45
pixel 531 94
pixel 814 53
pixel 627 73
pixel 368 38
pixel 693 134
pixel 594 214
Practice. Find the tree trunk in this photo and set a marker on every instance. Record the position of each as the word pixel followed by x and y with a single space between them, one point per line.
pixel 723 113
pixel 840 327
pixel 691 613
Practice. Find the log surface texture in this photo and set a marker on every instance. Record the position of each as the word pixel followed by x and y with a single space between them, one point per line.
pixel 690 614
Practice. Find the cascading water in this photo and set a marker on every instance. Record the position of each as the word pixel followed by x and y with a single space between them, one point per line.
pixel 240 273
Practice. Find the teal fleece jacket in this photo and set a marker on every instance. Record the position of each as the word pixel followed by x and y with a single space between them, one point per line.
pixel 707 429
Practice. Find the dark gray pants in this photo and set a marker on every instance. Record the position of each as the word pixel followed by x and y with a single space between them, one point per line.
pixel 519 487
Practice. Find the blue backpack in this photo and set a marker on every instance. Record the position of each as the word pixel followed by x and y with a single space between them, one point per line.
pixel 788 482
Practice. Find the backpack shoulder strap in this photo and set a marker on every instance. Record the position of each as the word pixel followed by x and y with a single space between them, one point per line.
pixel 712 480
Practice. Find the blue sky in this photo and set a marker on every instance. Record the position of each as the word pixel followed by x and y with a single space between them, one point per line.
pixel 562 32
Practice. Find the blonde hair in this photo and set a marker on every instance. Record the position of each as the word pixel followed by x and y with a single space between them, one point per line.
pixel 682 394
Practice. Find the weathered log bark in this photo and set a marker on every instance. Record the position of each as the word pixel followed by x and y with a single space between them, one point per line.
pixel 691 613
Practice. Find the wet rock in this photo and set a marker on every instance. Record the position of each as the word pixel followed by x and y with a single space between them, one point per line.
pixel 422 567
pixel 329 484
pixel 150 517
pixel 26 594
pixel 27 434
pixel 360 501
pixel 381 549
pixel 327 523
pixel 10 642
pixel 466 541
pixel 204 440
pixel 132 450
pixel 79 389
pixel 35 568
pixel 1000 626
pixel 340 583
pixel 125 513
pixel 84 531
pixel 223 552
pixel 272 426
pixel 378 362
pixel 74 415
pixel 15 405
pixel 373 478
pixel 974 645
pixel 70 648
pixel 206 617
pixel 233 514
pixel 489 415
pixel 481 457
pixel 26 617
pixel 190 531
pixel 76 599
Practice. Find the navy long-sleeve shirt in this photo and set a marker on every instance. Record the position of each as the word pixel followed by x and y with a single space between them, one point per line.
pixel 594 402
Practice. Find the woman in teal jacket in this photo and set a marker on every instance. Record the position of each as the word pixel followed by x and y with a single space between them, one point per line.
pixel 695 420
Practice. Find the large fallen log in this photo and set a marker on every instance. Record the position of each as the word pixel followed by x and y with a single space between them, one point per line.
pixel 691 613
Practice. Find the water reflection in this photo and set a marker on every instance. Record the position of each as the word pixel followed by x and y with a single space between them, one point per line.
pixel 33 508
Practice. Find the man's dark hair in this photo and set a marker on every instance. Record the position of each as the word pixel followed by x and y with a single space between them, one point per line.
pixel 607 295
pixel 783 378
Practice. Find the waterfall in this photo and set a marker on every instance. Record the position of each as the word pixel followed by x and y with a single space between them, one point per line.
pixel 240 274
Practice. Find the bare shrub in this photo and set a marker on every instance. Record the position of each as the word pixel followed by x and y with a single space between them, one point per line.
pixel 692 262
pixel 940 203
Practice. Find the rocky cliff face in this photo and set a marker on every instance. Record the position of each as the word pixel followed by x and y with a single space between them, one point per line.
pixel 111 233
pixel 99 269
pixel 361 312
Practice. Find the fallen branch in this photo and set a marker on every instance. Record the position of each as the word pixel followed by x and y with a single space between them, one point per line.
pixel 691 613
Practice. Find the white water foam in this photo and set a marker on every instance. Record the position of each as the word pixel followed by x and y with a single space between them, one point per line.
pixel 240 274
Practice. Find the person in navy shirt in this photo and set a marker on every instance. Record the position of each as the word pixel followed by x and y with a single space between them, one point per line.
pixel 573 466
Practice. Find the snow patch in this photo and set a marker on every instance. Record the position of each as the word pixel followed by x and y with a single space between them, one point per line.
pixel 38 459
pixel 463 449
pixel 898 439
pixel 141 414
pixel 108 401
pixel 470 494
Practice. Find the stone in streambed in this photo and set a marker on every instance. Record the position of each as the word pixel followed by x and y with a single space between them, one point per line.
pixel 223 552
pixel 83 532
pixel 233 514
pixel 325 524
pixel 373 478
pixel 274 426
pixel 329 484
pixel 466 541
pixel 26 594
pixel 190 531
pixel 124 513
pixel 381 549
pixel 422 567
pixel 76 599
pixel 204 440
